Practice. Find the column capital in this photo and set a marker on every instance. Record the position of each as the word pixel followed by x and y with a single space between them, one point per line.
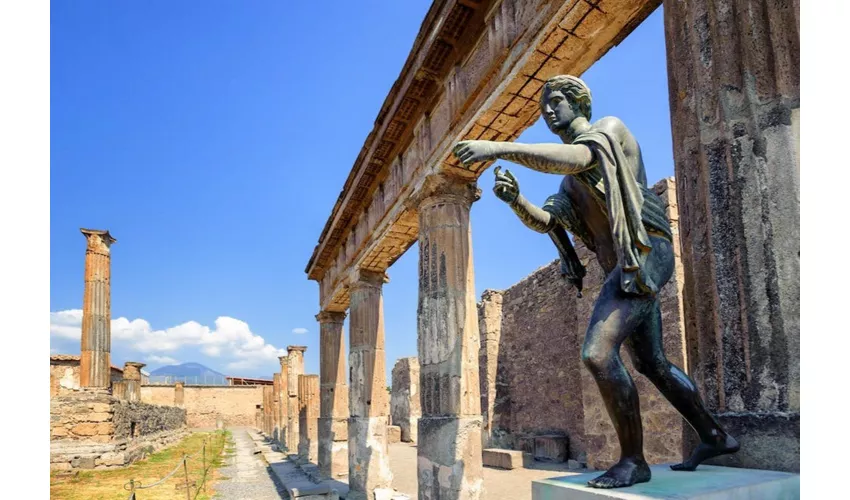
pixel 298 348
pixel 330 317
pixel 366 278
pixel 443 187
pixel 98 239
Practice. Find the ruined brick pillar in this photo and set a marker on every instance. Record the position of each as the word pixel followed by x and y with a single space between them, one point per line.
pixel 132 381
pixel 449 442
pixel 178 394
pixel 333 420
pixel 369 473
pixel 734 82
pixel 308 418
pixel 295 367
pixel 95 341
pixel 404 400
pixel 277 401
pixel 283 407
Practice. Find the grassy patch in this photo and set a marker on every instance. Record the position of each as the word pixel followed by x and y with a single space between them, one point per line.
pixel 109 484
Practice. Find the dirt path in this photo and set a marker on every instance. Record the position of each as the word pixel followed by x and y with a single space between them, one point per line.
pixel 247 476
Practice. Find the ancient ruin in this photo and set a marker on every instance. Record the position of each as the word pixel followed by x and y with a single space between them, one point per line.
pixel 475 72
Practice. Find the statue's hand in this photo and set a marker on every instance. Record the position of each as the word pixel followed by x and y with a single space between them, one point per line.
pixel 507 187
pixel 476 151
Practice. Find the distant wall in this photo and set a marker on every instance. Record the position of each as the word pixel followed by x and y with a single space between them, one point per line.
pixel 235 404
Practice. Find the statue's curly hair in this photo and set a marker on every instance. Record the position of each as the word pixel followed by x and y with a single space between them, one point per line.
pixel 573 89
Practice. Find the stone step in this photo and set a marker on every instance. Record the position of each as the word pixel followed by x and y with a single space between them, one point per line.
pixel 505 459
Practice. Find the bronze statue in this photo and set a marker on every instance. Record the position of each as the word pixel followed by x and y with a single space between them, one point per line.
pixel 605 202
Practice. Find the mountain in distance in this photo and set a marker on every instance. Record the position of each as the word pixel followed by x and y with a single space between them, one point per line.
pixel 190 373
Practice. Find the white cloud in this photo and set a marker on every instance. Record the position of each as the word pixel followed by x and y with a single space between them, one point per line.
pixel 229 338
pixel 300 331
pixel 162 360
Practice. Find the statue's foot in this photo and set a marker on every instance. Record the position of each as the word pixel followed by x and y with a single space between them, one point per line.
pixel 705 451
pixel 626 472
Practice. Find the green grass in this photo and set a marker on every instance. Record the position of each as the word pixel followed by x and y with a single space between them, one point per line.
pixel 110 484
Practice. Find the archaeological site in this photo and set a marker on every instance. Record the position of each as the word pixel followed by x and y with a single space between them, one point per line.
pixel 518 385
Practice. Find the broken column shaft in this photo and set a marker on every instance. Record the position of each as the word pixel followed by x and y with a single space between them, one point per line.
pixel 283 407
pixel 308 415
pixel 95 341
pixel 295 365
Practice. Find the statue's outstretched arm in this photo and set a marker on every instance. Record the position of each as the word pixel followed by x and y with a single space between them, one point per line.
pixel 562 159
pixel 507 190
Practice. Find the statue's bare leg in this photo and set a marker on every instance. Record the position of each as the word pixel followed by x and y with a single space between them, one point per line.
pixel 615 316
pixel 647 351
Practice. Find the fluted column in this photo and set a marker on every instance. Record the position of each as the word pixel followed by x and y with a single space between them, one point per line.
pixel 308 415
pixel 295 367
pixel 369 473
pixel 333 419
pixel 734 82
pixel 449 440
pixel 283 407
pixel 95 341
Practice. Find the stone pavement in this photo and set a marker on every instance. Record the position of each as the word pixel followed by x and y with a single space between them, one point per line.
pixel 498 484
pixel 247 476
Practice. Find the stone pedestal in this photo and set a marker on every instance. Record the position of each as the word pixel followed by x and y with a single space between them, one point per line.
pixel 734 104
pixel 449 441
pixel 404 401
pixel 178 394
pixel 706 483
pixel 130 388
pixel 333 420
pixel 369 473
pixel 95 341
pixel 308 414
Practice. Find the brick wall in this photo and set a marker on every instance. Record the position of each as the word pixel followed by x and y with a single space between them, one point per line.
pixel 533 381
pixel 236 404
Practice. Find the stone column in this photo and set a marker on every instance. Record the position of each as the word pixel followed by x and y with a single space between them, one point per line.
pixel 308 415
pixel 404 400
pixel 268 399
pixel 178 394
pixel 490 334
pixel 333 419
pixel 295 368
pixel 283 409
pixel 133 380
pixel 277 402
pixel 369 473
pixel 95 341
pixel 734 82
pixel 449 442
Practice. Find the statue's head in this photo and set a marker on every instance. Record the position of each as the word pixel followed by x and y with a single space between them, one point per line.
pixel 564 99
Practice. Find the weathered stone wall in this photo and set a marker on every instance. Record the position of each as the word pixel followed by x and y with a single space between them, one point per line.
pixel 90 429
pixel 405 405
pixel 64 377
pixel 540 385
pixel 133 419
pixel 235 404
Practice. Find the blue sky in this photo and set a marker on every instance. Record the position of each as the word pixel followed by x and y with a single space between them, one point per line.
pixel 212 139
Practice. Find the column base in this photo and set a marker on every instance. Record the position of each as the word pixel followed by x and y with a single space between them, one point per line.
pixel 333 447
pixel 449 458
pixel 369 473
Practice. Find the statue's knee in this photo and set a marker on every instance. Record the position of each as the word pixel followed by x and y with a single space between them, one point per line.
pixel 596 360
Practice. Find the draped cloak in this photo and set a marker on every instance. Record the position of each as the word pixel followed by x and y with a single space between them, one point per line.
pixel 618 184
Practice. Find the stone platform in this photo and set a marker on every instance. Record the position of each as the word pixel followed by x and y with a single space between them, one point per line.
pixel 706 483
